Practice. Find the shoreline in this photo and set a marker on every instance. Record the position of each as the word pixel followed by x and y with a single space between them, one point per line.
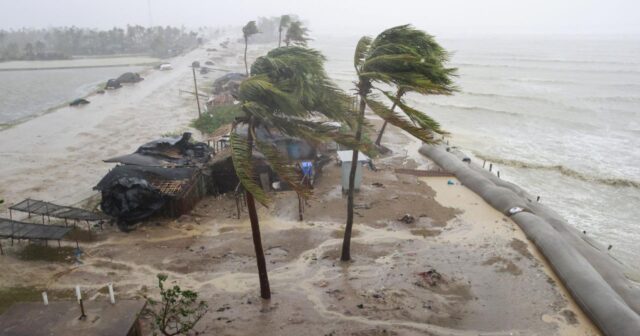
pixel 494 280
pixel 436 241
pixel 596 280
pixel 93 92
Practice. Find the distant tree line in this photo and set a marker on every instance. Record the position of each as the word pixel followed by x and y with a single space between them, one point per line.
pixel 272 29
pixel 63 42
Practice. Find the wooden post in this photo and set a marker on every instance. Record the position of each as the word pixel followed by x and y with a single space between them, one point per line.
pixel 83 316
pixel 1 251
pixel 195 84
pixel 490 166
pixel 498 174
pixel 483 163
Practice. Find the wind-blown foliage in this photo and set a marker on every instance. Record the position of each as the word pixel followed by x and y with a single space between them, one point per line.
pixel 287 88
pixel 413 62
pixel 408 60
pixel 285 20
pixel 297 34
pixel 63 42
pixel 248 30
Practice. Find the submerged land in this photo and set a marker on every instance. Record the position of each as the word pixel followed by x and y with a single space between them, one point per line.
pixel 461 268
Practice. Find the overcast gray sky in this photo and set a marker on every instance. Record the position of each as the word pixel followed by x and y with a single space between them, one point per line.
pixel 454 17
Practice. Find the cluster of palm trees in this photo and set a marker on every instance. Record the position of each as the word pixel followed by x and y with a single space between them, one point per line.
pixel 289 85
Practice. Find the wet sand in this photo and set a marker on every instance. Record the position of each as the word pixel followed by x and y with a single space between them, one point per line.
pixel 491 279
pixel 461 268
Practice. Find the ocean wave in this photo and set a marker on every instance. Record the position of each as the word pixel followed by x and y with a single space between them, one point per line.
pixel 612 181
pixel 476 108
pixel 564 61
pixel 502 96
pixel 625 99
pixel 521 67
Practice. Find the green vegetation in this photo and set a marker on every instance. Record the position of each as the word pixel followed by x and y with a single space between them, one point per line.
pixel 218 116
pixel 11 295
pixel 178 310
pixel 285 21
pixel 398 58
pixel 248 30
pixel 62 42
pixel 287 86
pixel 35 252
pixel 297 34
pixel 437 78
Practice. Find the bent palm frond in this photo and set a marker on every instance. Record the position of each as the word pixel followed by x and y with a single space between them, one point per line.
pixel 241 154
pixel 397 120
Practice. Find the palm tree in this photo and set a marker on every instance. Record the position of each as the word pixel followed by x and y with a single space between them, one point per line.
pixel 425 47
pixel 248 30
pixel 285 20
pixel 296 34
pixel 286 88
pixel 389 60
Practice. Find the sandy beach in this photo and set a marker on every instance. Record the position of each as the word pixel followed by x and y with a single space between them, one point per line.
pixel 492 279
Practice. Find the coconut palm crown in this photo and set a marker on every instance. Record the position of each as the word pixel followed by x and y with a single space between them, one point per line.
pixel 428 73
pixel 405 59
pixel 297 34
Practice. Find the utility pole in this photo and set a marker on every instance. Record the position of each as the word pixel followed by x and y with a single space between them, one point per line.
pixel 195 84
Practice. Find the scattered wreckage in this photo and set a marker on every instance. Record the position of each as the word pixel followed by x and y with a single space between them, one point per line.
pixel 125 78
pixel 166 176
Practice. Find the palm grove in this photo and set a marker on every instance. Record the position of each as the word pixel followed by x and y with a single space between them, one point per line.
pixel 288 89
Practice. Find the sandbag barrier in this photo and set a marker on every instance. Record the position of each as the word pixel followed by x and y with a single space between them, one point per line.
pixel 594 280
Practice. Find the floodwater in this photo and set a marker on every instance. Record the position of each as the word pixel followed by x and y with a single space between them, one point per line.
pixel 558 116
pixel 28 93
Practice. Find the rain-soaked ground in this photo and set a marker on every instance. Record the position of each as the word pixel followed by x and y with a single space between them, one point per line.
pixel 461 268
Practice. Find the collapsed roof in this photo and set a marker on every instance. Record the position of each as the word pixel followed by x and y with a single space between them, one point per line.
pixel 167 152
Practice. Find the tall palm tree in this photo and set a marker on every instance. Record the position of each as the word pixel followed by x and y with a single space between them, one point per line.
pixel 297 34
pixel 390 61
pixel 285 20
pixel 425 47
pixel 247 31
pixel 286 88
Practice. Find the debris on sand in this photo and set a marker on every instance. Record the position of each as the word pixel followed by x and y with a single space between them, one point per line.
pixel 112 84
pixel 377 184
pixel 407 219
pixel 79 101
pixel 431 277
pixel 129 77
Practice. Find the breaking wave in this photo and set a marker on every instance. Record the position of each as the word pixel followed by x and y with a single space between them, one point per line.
pixel 475 109
pixel 524 67
pixel 616 182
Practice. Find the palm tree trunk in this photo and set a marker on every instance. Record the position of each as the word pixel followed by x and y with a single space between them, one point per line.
pixel 384 125
pixel 265 292
pixel 346 243
pixel 246 67
pixel 279 37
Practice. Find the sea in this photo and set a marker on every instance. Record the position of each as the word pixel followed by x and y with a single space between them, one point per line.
pixel 27 93
pixel 556 115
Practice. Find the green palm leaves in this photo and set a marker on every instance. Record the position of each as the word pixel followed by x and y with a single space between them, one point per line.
pixel 297 34
pixel 405 59
pixel 409 60
pixel 287 93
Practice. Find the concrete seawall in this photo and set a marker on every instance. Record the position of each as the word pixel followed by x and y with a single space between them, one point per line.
pixel 593 278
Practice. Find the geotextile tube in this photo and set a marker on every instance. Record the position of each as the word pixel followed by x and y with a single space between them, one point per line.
pixel 595 280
